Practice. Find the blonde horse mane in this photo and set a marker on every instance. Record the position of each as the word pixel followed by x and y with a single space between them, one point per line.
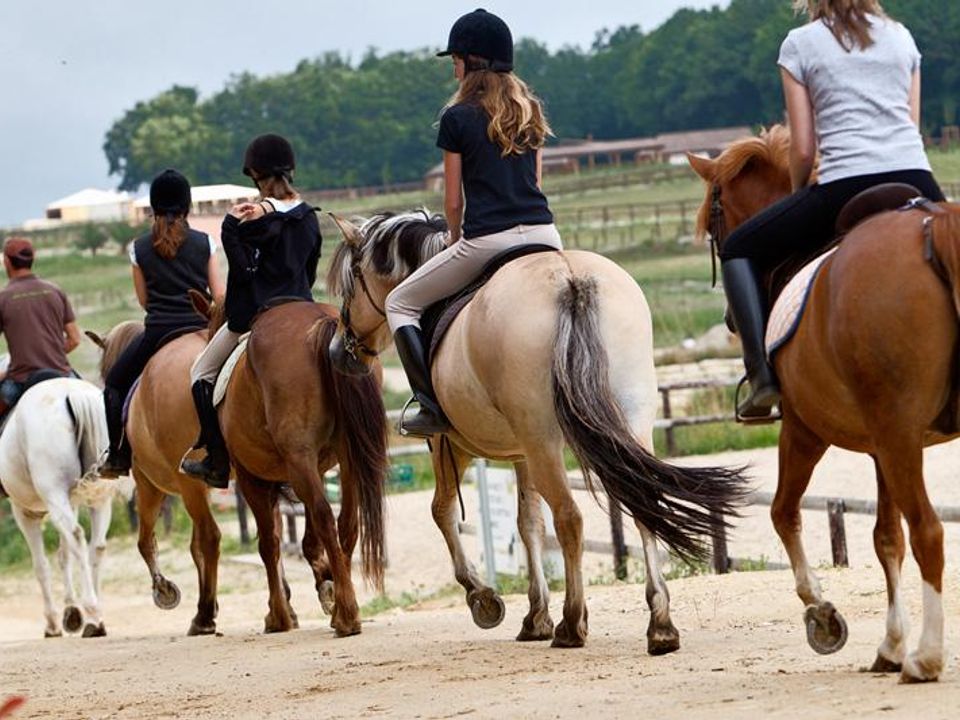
pixel 771 147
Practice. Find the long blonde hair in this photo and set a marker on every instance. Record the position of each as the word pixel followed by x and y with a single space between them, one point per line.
pixel 516 119
pixel 847 19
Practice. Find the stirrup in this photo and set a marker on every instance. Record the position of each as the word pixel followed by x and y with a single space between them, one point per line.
pixel 402 430
pixel 775 411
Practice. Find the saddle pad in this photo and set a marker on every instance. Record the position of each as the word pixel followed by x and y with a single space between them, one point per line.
pixel 437 318
pixel 789 307
pixel 223 379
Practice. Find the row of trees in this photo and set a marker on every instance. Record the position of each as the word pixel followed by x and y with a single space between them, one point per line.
pixel 373 122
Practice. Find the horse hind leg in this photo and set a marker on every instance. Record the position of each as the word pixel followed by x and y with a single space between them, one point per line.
pixel 262 497
pixel 205 549
pixel 889 545
pixel 662 636
pixel 537 625
pixel 317 559
pixel 99 525
pixel 800 450
pixel 166 595
pixel 485 604
pixel 32 528
pixel 902 467
pixel 72 617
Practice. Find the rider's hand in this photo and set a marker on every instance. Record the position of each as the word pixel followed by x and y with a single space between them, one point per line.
pixel 248 211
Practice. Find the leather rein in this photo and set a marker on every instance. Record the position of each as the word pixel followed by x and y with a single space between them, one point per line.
pixel 354 344
pixel 717 229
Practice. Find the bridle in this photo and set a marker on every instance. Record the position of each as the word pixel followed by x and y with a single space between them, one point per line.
pixel 353 344
pixel 717 228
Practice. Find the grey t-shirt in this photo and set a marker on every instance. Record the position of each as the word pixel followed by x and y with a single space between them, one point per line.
pixel 860 98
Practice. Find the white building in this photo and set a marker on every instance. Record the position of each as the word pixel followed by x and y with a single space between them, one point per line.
pixel 91 205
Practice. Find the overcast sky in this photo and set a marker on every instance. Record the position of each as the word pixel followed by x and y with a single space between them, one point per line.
pixel 70 69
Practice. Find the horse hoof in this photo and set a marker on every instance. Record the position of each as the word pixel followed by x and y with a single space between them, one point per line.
pixel 72 619
pixel 883 665
pixel 166 595
pixel 662 640
pixel 326 595
pixel 916 670
pixel 90 630
pixel 52 633
pixel 200 628
pixel 487 609
pixel 347 631
pixel 534 630
pixel 564 637
pixel 826 628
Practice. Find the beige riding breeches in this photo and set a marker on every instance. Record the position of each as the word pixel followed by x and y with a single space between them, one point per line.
pixel 457 266
pixel 208 363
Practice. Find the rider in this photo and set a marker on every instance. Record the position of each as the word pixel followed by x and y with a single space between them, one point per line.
pixel 37 321
pixel 851 79
pixel 167 262
pixel 491 134
pixel 272 249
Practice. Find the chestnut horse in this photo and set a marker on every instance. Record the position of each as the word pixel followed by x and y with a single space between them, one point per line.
pixel 871 368
pixel 162 422
pixel 288 417
pixel 556 348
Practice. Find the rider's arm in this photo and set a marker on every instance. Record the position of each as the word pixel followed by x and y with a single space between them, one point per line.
pixel 540 169
pixel 453 193
pixel 140 285
pixel 915 97
pixel 72 337
pixel 215 279
pixel 803 138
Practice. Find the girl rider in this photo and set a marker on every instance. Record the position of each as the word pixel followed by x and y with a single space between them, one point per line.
pixel 272 250
pixel 491 134
pixel 167 262
pixel 851 79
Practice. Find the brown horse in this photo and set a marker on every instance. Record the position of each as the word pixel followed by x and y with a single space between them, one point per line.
pixel 556 349
pixel 871 368
pixel 161 423
pixel 289 417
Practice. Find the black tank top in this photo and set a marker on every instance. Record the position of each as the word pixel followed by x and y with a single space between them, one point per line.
pixel 169 280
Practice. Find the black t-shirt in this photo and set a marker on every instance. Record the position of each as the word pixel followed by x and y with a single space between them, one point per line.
pixel 169 280
pixel 500 191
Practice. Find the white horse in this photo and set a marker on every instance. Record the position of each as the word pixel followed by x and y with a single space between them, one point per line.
pixel 49 448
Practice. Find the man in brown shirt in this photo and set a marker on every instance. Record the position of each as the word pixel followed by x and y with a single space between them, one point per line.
pixel 37 321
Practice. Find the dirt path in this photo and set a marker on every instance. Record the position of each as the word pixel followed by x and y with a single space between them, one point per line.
pixel 743 655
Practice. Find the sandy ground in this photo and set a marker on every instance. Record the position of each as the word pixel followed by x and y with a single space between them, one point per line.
pixel 743 653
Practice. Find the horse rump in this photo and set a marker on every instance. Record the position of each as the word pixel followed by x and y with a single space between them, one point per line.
pixel 679 505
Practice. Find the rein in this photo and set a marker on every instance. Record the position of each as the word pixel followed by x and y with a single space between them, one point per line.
pixel 717 229
pixel 353 343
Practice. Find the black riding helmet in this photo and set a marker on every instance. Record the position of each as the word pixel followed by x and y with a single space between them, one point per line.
pixel 170 194
pixel 484 35
pixel 270 155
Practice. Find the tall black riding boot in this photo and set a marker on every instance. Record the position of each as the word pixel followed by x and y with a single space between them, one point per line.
pixel 118 457
pixel 214 468
pixel 748 307
pixel 430 420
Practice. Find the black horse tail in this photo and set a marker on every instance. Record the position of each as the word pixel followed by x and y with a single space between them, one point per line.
pixel 361 447
pixel 679 505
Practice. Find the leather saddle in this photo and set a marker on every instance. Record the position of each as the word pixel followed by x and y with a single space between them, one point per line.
pixel 437 318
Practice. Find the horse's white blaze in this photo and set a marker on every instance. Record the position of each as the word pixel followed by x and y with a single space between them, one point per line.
pixel 44 454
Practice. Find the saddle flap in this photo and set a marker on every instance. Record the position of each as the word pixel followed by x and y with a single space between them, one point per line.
pixel 226 372
pixel 879 198
pixel 789 307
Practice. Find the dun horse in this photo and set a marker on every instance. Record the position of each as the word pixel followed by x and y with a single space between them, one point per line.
pixel 872 368
pixel 556 348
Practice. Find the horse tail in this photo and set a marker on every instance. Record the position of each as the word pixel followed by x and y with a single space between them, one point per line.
pixel 678 504
pixel 362 426
pixel 90 426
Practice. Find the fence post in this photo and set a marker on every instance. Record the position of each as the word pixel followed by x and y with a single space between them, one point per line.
pixel 668 431
pixel 721 561
pixel 488 559
pixel 838 535
pixel 619 544
pixel 242 517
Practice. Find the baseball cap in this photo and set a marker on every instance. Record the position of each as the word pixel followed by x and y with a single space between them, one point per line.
pixel 19 248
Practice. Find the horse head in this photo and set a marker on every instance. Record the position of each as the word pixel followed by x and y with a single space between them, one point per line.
pixel 374 258
pixel 114 342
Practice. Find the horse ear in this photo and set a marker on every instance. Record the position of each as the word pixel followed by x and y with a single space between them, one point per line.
pixel 703 166
pixel 97 340
pixel 201 303
pixel 351 233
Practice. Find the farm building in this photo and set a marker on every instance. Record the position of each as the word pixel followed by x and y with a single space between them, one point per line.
pixel 207 200
pixel 91 205
pixel 569 156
